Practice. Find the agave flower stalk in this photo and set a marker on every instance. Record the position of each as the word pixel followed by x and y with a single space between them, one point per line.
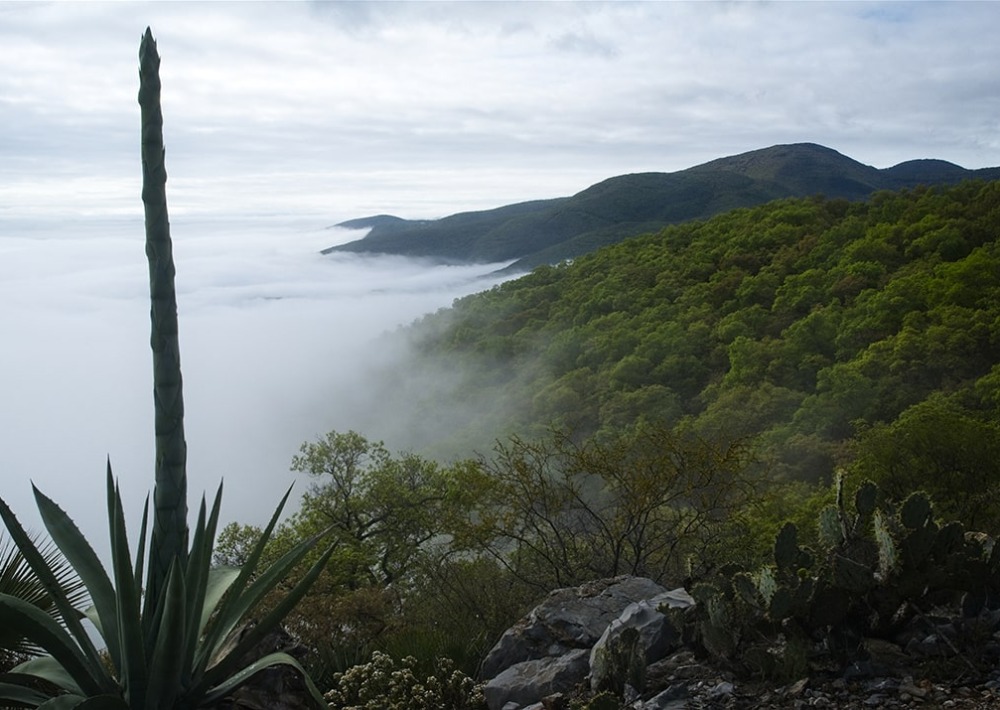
pixel 170 494
pixel 171 645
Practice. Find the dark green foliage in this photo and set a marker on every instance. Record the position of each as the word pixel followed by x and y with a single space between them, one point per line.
pixel 942 447
pixel 797 321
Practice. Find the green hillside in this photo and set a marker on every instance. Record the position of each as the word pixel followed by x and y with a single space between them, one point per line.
pixel 549 231
pixel 802 321
pixel 674 407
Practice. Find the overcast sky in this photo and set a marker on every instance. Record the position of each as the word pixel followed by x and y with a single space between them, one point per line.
pixel 283 118
pixel 424 109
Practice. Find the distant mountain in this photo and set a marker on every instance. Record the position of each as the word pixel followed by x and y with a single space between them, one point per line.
pixel 549 231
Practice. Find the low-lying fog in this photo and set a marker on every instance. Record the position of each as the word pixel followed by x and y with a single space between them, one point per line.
pixel 274 342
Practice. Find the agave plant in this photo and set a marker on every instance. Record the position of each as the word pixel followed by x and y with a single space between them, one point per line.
pixel 171 644
pixel 172 651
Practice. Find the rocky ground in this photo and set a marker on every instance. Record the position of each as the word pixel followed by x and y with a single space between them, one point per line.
pixel 693 686
pixel 938 660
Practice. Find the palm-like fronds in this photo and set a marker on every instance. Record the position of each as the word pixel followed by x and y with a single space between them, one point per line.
pixel 17 579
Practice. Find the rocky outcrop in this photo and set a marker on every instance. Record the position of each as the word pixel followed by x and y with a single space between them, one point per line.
pixel 526 683
pixel 655 636
pixel 551 649
pixel 568 619
pixel 554 655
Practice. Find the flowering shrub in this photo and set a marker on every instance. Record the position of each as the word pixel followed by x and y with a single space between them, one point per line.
pixel 381 685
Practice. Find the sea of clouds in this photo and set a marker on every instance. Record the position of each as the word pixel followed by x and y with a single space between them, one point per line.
pixel 276 345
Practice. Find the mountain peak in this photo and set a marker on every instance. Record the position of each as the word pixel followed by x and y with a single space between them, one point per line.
pixel 549 231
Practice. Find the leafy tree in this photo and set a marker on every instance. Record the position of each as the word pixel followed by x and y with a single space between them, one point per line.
pixel 940 447
pixel 645 501
pixel 383 510
pixel 386 517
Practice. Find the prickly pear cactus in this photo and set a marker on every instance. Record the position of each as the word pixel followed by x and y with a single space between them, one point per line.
pixel 865 499
pixel 888 559
pixel 915 512
pixel 766 583
pixel 746 589
pixel 878 565
pixel 831 532
pixel 786 548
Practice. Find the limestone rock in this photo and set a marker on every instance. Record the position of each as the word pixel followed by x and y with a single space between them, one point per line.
pixel 568 619
pixel 526 683
pixel 657 635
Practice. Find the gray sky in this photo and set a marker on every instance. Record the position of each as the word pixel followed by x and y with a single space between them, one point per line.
pixel 283 118
pixel 424 109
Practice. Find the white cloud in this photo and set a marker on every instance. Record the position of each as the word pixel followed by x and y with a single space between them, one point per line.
pixel 275 339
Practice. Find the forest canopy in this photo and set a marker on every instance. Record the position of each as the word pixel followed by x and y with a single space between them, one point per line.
pixel 801 322
pixel 661 408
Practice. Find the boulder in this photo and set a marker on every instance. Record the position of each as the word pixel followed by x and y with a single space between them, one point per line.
pixel 568 619
pixel 526 683
pixel 657 636
pixel 276 688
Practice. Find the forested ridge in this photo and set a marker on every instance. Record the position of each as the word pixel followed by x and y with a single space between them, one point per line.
pixel 618 208
pixel 803 321
pixel 679 406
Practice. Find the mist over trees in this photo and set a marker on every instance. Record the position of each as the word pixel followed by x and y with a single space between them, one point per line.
pixel 660 407
pixel 796 322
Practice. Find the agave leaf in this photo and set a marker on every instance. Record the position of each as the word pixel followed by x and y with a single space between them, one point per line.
pixel 228 617
pixel 90 613
pixel 19 694
pixel 78 553
pixel 168 663
pixel 81 556
pixel 215 675
pixel 110 611
pixel 220 580
pixel 250 566
pixel 198 572
pixel 62 702
pixel 33 623
pixel 237 605
pixel 271 660
pixel 69 614
pixel 103 702
pixel 140 554
pixel 49 669
pixel 129 655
